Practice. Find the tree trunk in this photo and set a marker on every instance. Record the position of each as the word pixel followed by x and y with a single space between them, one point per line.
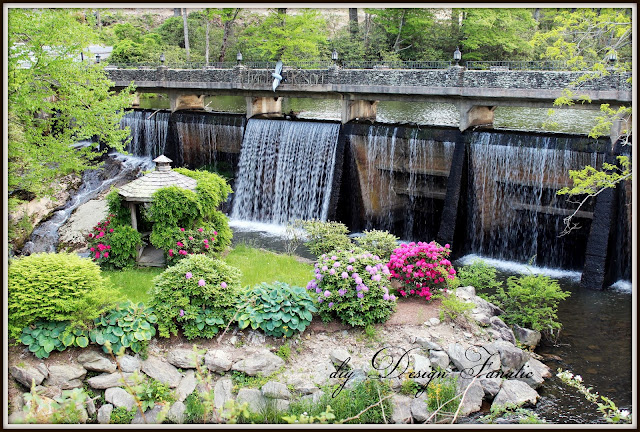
pixel 228 29
pixel 177 12
pixel 99 19
pixel 396 45
pixel 186 34
pixel 353 21
pixel 206 46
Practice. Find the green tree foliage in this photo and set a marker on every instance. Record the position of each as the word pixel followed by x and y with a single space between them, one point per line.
pixel 56 287
pixel 286 36
pixel 497 34
pixel 55 100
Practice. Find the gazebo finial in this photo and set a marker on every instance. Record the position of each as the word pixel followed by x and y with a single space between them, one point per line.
pixel 162 163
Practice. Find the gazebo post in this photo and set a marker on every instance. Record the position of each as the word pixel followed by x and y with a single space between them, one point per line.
pixel 134 221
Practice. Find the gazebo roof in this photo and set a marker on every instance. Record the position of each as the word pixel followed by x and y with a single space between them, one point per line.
pixel 141 190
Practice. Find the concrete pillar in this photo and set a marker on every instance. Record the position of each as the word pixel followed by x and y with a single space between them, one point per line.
pixel 452 200
pixel 264 106
pixel 620 127
pixel 358 109
pixel 136 100
pixel 474 115
pixel 181 101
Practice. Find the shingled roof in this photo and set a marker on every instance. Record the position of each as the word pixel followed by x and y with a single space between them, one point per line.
pixel 141 190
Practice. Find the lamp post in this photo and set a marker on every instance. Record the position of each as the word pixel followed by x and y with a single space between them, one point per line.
pixel 457 55
pixel 612 57
pixel 97 58
pixel 334 57
pixel 239 58
pixel 162 58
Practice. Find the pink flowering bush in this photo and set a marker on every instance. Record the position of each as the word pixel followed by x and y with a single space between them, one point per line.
pixel 352 285
pixel 112 245
pixel 421 267
pixel 200 240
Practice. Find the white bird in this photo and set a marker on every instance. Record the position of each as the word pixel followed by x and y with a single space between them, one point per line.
pixel 276 75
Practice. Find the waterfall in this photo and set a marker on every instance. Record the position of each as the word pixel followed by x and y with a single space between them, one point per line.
pixel 514 212
pixel 285 171
pixel 201 137
pixel 117 167
pixel 148 132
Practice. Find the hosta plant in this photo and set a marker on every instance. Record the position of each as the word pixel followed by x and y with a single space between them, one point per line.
pixel 352 285
pixel 43 337
pixel 278 309
pixel 421 267
pixel 127 326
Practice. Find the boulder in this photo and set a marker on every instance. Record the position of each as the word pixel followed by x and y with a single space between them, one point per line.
pixel 419 411
pixel 484 310
pixel 401 409
pixel 176 413
pixel 104 413
pixel 359 375
pixel 473 360
pixel 161 371
pixel 313 398
pixel 107 380
pixel 421 367
pixel 257 402
pixel 263 362
pixel 427 344
pixel 515 392
pixel 218 361
pixel 27 374
pixel 187 386
pixel 511 357
pixel 90 405
pixel 255 338
pixel 543 369
pixel 222 392
pixel 434 321
pixel 302 386
pixel 339 356
pixel 276 390
pixel 67 376
pixel 527 337
pixel 129 363
pixel 155 415
pixel 94 361
pixel 472 398
pixel 439 359
pixel 86 216
pixel 499 330
pixel 466 293
pixel 119 397
pixel 279 404
pixel 530 375
pixel 184 358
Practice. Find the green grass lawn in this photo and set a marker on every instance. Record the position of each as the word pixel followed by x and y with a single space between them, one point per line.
pixel 259 265
pixel 256 266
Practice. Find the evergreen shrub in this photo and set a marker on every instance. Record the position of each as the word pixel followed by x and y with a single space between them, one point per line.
pixel 380 243
pixel 198 295
pixel 56 287
pixel 325 237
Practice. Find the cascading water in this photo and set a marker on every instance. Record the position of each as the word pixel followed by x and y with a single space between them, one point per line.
pixel 514 212
pixel 286 171
pixel 201 137
pixel 148 132
pixel 44 237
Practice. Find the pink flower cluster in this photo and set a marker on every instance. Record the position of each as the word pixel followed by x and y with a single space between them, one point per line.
pixel 420 267
pixel 193 242
pixel 100 248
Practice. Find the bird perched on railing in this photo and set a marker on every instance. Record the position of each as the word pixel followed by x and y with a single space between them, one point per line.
pixel 276 75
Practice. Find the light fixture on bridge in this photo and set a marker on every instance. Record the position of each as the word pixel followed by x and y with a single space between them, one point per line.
pixel 612 57
pixel 239 57
pixel 457 55
pixel 334 55
pixel 162 58
pixel 97 58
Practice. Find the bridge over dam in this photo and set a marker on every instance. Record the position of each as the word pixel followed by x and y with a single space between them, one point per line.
pixel 476 93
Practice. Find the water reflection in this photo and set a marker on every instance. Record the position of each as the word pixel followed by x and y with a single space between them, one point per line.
pixel 423 113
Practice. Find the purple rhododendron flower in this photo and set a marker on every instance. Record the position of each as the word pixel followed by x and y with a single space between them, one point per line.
pixel 336 264
pixel 360 295
pixel 345 275
pixel 327 293
pixel 181 312
pixel 223 284
pixel 188 275
pixel 330 304
pixel 201 282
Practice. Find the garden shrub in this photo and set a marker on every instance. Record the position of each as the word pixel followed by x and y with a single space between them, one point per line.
pixel 479 275
pixel 325 237
pixel 421 267
pixel 212 189
pixel 380 243
pixel 452 307
pixel 122 415
pixel 193 241
pixel 56 287
pixel 198 294
pixel 531 301
pixel 112 245
pixel 42 337
pixel 120 214
pixel 278 309
pixel 353 286
pixel 126 326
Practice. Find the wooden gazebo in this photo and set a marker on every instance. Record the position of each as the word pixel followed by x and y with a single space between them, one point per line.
pixel 140 191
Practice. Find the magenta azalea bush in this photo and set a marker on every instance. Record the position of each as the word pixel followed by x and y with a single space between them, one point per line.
pixel 421 267
pixel 194 241
pixel 112 245
pixel 353 286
